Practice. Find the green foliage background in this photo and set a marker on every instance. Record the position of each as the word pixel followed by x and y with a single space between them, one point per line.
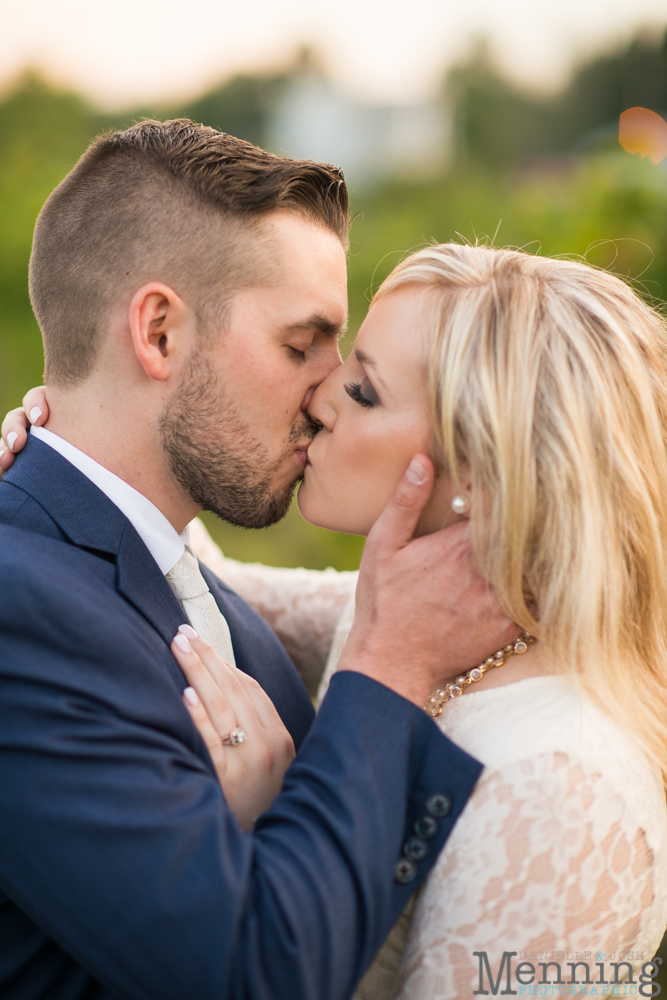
pixel 543 174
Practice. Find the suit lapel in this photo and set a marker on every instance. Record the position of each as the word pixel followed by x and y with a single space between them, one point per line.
pixel 83 513
pixel 91 521
pixel 141 582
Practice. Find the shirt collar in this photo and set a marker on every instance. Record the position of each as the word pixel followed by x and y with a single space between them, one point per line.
pixel 156 532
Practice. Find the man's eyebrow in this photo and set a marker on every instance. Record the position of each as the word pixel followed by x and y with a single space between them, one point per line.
pixel 320 323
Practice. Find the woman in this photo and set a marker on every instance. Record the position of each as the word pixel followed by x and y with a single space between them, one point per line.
pixel 539 388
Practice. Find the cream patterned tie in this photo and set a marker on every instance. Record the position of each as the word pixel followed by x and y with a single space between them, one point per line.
pixel 191 589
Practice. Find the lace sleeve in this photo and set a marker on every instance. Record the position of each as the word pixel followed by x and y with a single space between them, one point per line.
pixel 302 606
pixel 547 861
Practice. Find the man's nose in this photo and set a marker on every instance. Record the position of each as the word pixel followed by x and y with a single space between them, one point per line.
pixel 305 402
pixel 329 363
pixel 319 407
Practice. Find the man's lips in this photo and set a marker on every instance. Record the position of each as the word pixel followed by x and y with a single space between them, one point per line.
pixel 301 453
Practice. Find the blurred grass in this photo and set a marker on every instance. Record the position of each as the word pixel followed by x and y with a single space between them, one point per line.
pixel 292 542
pixel 607 206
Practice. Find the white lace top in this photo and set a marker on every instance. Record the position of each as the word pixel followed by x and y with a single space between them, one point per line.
pixel 561 852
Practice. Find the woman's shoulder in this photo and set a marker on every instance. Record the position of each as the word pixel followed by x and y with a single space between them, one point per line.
pixel 530 717
pixel 548 726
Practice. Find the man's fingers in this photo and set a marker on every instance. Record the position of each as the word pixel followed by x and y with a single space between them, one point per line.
pixel 452 548
pixel 35 405
pixel 396 524
pixel 501 629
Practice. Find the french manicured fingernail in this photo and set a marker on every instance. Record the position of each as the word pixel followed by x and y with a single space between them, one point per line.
pixel 2 452
pixel 35 414
pixel 182 643
pixel 11 440
pixel 191 696
pixel 188 631
pixel 416 472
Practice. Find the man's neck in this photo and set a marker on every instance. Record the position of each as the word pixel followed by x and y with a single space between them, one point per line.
pixel 127 448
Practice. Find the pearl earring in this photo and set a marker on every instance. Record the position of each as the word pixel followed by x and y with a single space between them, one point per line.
pixel 460 505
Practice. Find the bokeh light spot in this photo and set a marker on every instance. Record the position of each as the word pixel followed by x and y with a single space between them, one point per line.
pixel 644 132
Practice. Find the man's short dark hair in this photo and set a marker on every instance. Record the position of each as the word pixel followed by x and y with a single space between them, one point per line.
pixel 163 201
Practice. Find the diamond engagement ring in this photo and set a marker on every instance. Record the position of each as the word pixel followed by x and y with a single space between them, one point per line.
pixel 234 738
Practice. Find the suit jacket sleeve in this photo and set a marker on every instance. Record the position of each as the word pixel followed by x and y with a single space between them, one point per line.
pixel 116 841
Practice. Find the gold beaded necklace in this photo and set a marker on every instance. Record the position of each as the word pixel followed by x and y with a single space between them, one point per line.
pixel 454 689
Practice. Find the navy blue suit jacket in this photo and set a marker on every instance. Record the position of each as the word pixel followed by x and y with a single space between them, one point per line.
pixel 123 873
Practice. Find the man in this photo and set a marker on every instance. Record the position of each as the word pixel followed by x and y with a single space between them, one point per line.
pixel 190 289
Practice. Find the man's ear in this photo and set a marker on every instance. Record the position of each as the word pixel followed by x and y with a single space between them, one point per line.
pixel 158 320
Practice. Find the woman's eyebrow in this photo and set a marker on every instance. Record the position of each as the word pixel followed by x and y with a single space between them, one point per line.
pixel 365 359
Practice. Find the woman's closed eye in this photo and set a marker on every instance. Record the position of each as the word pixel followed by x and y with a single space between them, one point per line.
pixel 362 393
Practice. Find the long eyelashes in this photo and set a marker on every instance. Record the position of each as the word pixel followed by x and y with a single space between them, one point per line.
pixel 353 389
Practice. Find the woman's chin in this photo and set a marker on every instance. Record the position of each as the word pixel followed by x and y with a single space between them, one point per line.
pixel 310 509
pixel 317 511
pixel 307 509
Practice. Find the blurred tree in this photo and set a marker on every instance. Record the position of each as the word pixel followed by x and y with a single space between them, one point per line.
pixel 602 204
pixel 495 122
pixel 601 89
pixel 498 124
pixel 43 131
pixel 243 105
pixel 240 106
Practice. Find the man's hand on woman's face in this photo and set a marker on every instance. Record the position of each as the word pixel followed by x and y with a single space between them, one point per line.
pixel 423 612
pixel 35 411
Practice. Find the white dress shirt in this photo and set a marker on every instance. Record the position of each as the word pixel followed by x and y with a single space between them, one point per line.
pixel 158 535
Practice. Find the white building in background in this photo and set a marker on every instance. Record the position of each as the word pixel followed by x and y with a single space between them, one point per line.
pixel 312 120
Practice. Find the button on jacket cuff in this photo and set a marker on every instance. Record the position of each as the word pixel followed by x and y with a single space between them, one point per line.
pixel 421 777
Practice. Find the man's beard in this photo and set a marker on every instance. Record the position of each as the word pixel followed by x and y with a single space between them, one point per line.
pixel 214 456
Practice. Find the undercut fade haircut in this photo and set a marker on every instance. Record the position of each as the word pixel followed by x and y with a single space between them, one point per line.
pixel 174 202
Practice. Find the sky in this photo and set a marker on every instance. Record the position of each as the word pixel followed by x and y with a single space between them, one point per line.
pixel 123 52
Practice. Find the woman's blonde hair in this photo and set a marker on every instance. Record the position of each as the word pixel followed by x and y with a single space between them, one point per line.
pixel 549 384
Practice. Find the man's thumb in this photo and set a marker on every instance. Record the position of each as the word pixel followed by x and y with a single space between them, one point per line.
pixel 397 522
